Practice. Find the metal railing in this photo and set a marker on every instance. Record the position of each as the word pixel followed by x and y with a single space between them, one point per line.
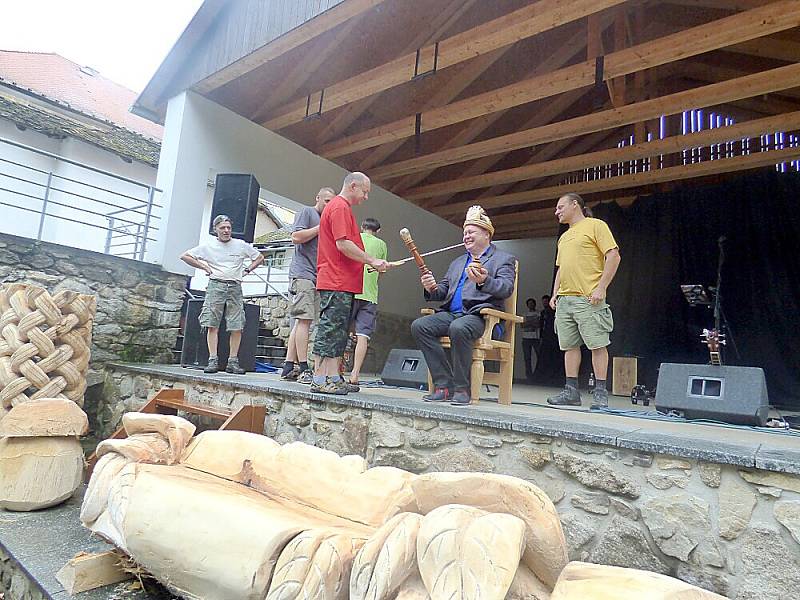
pixel 123 209
pixel 273 273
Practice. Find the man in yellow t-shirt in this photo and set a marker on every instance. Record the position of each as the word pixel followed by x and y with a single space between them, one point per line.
pixel 587 260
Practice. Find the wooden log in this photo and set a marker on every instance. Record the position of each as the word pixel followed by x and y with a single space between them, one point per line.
pixel 87 571
pixel 46 417
pixel 579 581
pixel 39 472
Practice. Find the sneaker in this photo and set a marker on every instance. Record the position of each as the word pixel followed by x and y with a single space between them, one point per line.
pixel 306 377
pixel 569 396
pixel 438 395
pixel 352 387
pixel 330 387
pixel 213 366
pixel 461 398
pixel 292 375
pixel 233 367
pixel 600 399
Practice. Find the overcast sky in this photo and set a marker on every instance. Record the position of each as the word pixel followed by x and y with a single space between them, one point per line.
pixel 125 40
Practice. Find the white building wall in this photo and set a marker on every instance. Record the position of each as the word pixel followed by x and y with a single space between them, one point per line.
pixel 62 200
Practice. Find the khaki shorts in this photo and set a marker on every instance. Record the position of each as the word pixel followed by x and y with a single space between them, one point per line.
pixel 305 300
pixel 223 297
pixel 579 322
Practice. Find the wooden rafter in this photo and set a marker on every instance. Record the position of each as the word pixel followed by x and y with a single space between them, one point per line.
pixel 523 23
pixel 350 113
pixel 784 122
pixel 303 69
pixel 742 87
pixel 723 165
pixel 546 114
pixel 758 22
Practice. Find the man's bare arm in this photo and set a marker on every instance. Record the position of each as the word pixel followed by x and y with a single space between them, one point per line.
pixel 350 250
pixel 556 285
pixel 196 263
pixel 301 236
pixel 609 270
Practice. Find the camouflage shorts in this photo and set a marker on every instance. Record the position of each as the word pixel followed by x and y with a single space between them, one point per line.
pixel 223 297
pixel 334 321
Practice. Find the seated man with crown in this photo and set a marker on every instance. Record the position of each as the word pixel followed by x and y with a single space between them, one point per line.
pixel 483 277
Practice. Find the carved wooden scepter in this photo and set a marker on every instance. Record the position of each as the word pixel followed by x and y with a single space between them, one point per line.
pixel 405 235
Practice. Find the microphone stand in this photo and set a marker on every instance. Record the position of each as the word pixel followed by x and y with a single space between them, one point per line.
pixel 720 322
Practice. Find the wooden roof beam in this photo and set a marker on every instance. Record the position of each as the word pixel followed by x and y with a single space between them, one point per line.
pixel 710 95
pixel 691 171
pixel 350 113
pixel 523 23
pixel 560 56
pixel 778 16
pixel 718 135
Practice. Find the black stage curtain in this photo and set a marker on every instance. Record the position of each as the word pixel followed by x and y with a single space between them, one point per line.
pixel 671 239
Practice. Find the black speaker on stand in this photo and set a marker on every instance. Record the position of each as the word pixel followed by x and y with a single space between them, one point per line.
pixel 194 353
pixel 236 195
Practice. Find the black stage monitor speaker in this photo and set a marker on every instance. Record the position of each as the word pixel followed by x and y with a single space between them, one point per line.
pixel 236 195
pixel 194 352
pixel 405 368
pixel 720 393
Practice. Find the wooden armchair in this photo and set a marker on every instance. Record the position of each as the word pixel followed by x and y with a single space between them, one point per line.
pixel 485 348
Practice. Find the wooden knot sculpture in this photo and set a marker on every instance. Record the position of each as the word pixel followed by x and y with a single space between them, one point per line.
pixel 44 344
pixel 405 235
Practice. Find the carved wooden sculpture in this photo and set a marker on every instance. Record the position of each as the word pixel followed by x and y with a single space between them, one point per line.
pixel 234 515
pixel 44 344
pixel 405 235
pixel 41 459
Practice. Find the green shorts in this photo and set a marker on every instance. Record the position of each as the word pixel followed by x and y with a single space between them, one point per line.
pixel 580 322
pixel 334 321
pixel 305 299
pixel 223 297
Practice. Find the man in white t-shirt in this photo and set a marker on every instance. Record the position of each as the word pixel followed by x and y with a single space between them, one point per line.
pixel 224 261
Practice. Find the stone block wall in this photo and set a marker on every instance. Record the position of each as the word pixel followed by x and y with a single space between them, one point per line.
pixel 14 584
pixel 731 530
pixel 138 304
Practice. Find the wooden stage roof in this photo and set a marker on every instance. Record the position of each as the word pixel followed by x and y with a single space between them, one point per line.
pixel 510 103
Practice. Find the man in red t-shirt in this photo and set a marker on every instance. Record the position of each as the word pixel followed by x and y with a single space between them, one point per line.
pixel 340 274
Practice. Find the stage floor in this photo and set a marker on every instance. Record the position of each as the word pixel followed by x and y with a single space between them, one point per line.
pixel 624 425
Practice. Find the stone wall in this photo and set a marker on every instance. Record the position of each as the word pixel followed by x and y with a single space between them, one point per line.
pixel 14 584
pixel 724 528
pixel 138 304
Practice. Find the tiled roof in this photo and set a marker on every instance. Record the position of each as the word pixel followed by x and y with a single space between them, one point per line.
pixel 80 88
pixel 57 123
pixel 279 235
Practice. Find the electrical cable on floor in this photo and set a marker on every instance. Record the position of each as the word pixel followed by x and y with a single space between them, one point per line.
pixel 653 415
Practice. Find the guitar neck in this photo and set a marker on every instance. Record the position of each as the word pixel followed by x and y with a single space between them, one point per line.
pixel 716 359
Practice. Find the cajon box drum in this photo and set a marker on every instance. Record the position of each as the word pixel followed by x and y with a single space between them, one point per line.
pixel 624 375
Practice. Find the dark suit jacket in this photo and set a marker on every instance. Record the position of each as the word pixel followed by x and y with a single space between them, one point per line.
pixel 498 286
